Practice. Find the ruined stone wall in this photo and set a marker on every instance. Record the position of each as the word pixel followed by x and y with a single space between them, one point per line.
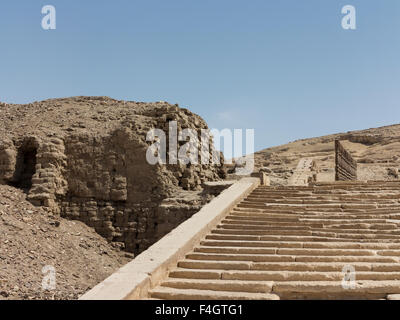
pixel 48 181
pixel 36 165
pixel 345 165
pixel 85 159
pixel 113 189
pixel 106 182
pixel 8 158
pixel 305 172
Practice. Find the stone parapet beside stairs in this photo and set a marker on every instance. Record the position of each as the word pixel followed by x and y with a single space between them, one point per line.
pixel 147 270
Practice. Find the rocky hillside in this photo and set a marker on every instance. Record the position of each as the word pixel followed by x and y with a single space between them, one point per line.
pixel 376 150
pixel 77 121
pixel 32 238
pixel 85 158
pixel 78 194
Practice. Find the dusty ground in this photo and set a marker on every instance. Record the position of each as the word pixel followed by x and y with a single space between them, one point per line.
pixel 30 239
pixel 376 150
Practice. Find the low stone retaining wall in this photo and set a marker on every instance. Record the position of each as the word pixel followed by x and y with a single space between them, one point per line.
pixel 345 165
pixel 146 271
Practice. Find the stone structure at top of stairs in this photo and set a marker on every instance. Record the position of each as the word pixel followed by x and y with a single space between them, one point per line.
pixel 305 172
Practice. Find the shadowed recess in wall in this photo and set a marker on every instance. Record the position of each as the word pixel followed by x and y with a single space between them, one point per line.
pixel 25 165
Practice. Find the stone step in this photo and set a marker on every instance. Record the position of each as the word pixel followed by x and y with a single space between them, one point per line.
pixel 324 252
pixel 276 214
pixel 359 217
pixel 273 224
pixel 309 219
pixel 248 232
pixel 236 257
pixel 265 240
pixel 262 235
pixel 366 188
pixel 287 266
pixel 299 207
pixel 320 206
pixel 296 209
pixel 299 244
pixel 220 285
pixel 286 226
pixel 327 214
pixel 300 230
pixel 315 237
pixel 195 294
pixel 283 195
pixel 284 221
pixel 349 227
pixel 312 217
pixel 239 250
pixel 353 197
pixel 348 259
pixel 381 193
pixel 353 245
pixel 265 229
pixel 312 203
pixel 282 248
pixel 302 276
pixel 388 199
pixel 280 257
pixel 373 185
pixel 362 236
pixel 330 290
pixel 358 182
pixel 365 226
pixel 264 217
pixel 256 275
pixel 325 191
pixel 392 199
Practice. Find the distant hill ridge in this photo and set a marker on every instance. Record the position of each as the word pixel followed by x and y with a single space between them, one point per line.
pixel 377 151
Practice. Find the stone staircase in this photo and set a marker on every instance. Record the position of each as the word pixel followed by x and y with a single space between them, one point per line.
pixel 298 242
pixel 303 172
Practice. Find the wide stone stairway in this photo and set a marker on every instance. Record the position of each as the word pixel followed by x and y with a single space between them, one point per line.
pixel 326 241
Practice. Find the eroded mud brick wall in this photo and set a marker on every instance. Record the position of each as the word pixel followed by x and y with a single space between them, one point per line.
pixel 87 161
pixel 113 188
pixel 345 165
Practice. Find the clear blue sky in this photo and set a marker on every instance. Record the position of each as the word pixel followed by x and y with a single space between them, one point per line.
pixel 285 68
